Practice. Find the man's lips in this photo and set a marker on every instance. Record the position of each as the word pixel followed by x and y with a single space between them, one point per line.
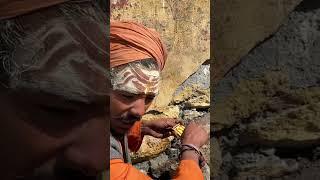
pixel 125 123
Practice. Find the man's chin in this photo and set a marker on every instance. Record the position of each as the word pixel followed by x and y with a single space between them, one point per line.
pixel 121 130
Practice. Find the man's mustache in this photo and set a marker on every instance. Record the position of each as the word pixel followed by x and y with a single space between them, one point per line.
pixel 128 119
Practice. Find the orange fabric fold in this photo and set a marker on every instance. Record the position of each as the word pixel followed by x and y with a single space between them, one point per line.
pixel 120 170
pixel 13 8
pixel 187 170
pixel 135 137
pixel 130 41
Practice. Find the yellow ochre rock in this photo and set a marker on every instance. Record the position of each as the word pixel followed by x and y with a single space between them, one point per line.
pixel 151 147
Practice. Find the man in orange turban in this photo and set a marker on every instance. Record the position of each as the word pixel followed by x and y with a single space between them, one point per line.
pixel 137 56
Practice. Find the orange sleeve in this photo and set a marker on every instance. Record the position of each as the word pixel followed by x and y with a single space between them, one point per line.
pixel 188 170
pixel 135 137
pixel 120 171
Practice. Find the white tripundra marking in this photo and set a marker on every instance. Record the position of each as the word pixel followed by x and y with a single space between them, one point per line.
pixel 135 79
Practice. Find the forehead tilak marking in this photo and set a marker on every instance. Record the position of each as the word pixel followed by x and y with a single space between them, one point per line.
pixel 59 72
pixel 141 74
pixel 136 79
pixel 142 86
pixel 148 81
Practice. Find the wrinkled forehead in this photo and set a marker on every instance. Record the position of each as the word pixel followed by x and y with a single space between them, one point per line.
pixel 138 77
pixel 62 57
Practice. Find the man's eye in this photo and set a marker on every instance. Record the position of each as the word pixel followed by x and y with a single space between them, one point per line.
pixel 149 98
pixel 128 96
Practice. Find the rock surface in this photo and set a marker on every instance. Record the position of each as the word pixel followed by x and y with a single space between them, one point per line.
pixel 239 25
pixel 151 147
pixel 193 97
pixel 254 164
pixel 157 167
pixel 266 115
pixel 215 157
pixel 296 127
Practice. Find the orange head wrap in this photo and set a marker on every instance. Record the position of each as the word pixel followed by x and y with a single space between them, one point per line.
pixel 13 8
pixel 131 41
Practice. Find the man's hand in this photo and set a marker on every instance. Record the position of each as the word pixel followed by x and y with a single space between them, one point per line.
pixel 194 134
pixel 159 128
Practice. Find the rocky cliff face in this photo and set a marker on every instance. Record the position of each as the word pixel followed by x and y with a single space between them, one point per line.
pixel 239 25
pixel 266 116
pixel 190 103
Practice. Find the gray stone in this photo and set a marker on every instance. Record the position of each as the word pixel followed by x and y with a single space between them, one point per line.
pixel 143 167
pixel 295 48
pixel 191 114
pixel 173 153
pixel 316 153
pixel 201 78
pixel 215 157
pixel 283 121
pixel 158 165
pixel 267 151
pixel 248 164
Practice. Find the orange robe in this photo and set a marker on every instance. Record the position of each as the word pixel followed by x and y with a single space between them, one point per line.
pixel 187 170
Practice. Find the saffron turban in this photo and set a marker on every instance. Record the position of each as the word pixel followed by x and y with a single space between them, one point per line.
pixel 13 8
pixel 130 41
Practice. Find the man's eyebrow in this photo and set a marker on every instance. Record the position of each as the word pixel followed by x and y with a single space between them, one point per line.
pixel 136 93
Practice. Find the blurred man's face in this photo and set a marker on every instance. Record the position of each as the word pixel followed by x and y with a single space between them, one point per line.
pixel 54 121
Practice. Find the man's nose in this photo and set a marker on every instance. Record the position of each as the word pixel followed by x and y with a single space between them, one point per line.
pixel 138 107
pixel 89 151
